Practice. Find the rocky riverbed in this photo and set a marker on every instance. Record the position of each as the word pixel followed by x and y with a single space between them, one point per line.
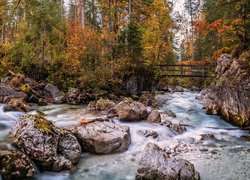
pixel 208 142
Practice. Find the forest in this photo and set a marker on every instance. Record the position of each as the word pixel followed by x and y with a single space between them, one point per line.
pixel 124 89
pixel 95 43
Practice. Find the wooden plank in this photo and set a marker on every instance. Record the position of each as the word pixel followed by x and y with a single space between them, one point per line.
pixel 185 76
pixel 194 70
pixel 184 65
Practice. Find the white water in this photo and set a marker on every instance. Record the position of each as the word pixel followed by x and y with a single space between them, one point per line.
pixel 226 158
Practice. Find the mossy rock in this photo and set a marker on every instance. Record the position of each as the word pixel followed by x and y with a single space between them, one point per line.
pixel 52 148
pixel 17 104
pixel 25 88
pixel 41 123
pixel 17 80
pixel 15 165
pixel 104 104
pixel 100 105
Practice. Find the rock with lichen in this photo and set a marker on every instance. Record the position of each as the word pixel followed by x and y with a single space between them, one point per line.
pixel 15 165
pixel 52 148
pixel 100 105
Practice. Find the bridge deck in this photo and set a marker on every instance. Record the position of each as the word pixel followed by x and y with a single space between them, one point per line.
pixel 186 71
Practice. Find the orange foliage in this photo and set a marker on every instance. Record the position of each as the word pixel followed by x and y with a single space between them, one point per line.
pixel 190 61
pixel 79 40
pixel 221 51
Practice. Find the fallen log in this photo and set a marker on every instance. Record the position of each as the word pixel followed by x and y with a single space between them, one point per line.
pixel 87 121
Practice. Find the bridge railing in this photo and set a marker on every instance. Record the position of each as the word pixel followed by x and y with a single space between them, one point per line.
pixel 190 71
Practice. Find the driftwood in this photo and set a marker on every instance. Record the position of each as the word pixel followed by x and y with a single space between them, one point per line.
pixel 87 121
pixel 12 73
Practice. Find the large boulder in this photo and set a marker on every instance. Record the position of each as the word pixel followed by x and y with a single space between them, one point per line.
pixel 15 165
pixel 17 105
pixel 130 110
pixel 102 137
pixel 100 105
pixel 53 148
pixel 229 94
pixel 155 163
pixel 57 96
pixel 7 93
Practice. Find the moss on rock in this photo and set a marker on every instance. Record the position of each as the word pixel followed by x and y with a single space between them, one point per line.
pixel 15 165
pixel 41 123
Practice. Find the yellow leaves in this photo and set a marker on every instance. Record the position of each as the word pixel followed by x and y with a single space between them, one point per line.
pixel 156 31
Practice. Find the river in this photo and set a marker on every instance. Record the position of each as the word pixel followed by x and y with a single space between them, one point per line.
pixel 227 157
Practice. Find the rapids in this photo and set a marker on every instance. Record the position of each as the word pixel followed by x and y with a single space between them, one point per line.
pixel 227 157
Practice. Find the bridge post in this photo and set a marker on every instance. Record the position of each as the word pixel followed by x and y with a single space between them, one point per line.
pixel 203 72
pixel 181 69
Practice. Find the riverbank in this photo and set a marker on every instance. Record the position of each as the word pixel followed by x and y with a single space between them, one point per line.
pixel 212 157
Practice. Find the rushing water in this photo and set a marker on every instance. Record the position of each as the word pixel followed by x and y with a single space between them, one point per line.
pixel 227 157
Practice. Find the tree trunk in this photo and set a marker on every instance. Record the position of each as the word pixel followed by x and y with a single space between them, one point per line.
pixel 81 13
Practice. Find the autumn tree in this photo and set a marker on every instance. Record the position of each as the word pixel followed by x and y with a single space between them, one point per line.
pixel 40 37
pixel 192 7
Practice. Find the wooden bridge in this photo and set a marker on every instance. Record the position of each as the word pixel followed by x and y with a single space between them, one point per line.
pixel 186 71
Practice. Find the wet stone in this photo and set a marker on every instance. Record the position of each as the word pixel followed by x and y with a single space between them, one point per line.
pixel 148 133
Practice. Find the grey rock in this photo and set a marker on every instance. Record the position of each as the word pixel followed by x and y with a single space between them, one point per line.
pixel 148 133
pixel 229 94
pixel 179 89
pixel 207 137
pixel 53 148
pixel 154 116
pixel 155 163
pixel 100 105
pixel 7 93
pixel 147 99
pixel 102 137
pixel 169 113
pixel 130 110
pixel 58 96
pixel 17 105
pixel 73 96
pixel 194 88
pixel 175 127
